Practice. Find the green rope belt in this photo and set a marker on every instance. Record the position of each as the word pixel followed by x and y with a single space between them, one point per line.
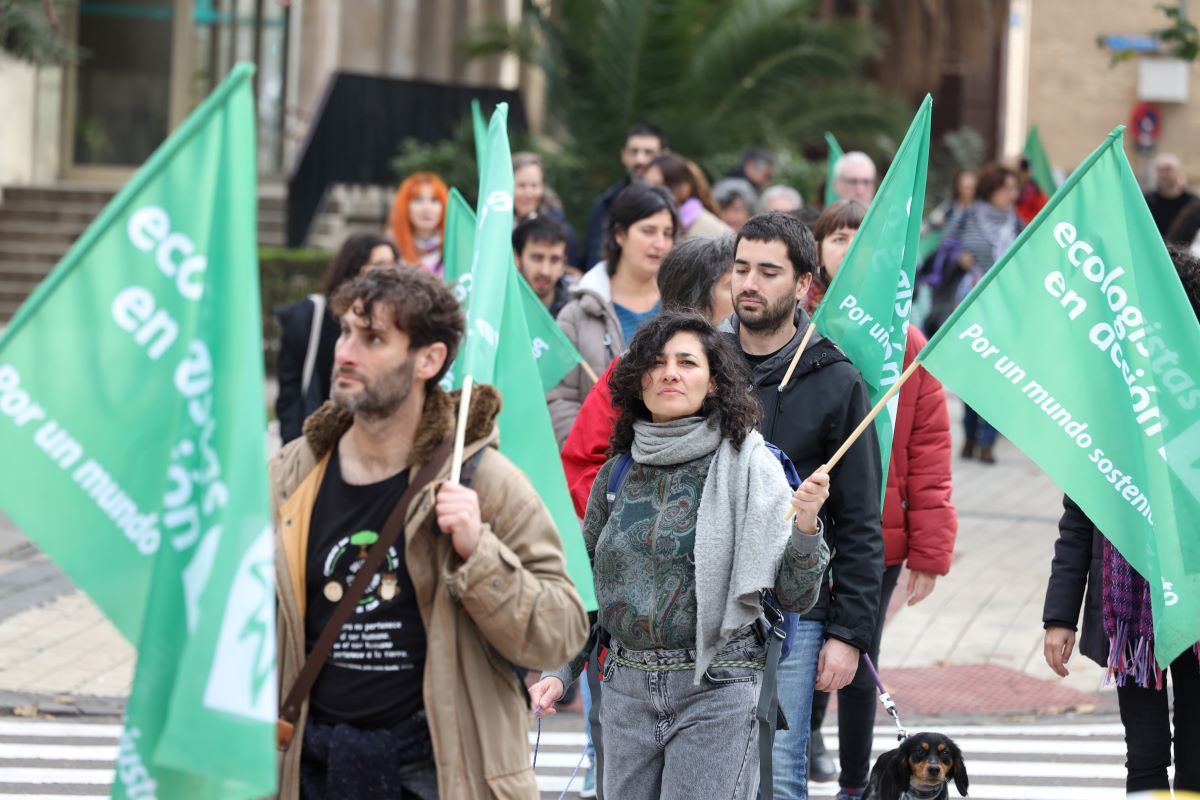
pixel 719 663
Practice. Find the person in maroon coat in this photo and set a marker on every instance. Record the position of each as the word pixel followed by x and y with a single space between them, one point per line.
pixel 919 521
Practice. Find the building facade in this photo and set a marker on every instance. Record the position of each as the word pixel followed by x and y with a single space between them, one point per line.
pixel 148 63
pixel 1075 95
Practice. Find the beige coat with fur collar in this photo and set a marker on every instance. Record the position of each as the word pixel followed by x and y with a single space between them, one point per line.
pixel 510 603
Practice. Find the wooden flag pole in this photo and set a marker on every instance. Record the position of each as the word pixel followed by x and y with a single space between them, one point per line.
pixel 587 370
pixel 862 426
pixel 460 433
pixel 787 376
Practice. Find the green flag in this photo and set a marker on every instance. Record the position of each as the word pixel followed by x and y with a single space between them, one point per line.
pixel 866 307
pixel 554 353
pixel 481 135
pixel 552 350
pixel 835 152
pixel 131 383
pixel 1039 163
pixel 459 238
pixel 1081 347
pixel 500 350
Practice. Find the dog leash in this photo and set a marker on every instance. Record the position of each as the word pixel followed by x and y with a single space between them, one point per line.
pixel 889 704
pixel 537 745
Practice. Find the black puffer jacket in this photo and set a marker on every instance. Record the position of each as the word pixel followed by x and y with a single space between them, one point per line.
pixel 809 420
pixel 1076 579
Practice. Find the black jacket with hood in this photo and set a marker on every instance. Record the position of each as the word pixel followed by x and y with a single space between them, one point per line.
pixel 822 404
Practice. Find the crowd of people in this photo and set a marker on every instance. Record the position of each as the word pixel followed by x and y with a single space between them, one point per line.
pixel 694 422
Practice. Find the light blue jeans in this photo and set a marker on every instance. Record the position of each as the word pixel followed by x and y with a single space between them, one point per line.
pixel 670 738
pixel 797 675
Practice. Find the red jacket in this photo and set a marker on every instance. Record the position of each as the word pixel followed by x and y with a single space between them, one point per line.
pixel 586 447
pixel 919 522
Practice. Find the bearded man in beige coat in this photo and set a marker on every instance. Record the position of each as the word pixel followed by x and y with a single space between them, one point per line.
pixel 421 696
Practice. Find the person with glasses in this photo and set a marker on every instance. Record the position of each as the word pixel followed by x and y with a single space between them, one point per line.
pixel 854 177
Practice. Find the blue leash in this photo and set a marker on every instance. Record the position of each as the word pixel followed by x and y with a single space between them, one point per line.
pixel 575 772
pixel 537 743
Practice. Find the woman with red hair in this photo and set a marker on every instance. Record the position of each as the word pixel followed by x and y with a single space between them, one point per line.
pixel 418 220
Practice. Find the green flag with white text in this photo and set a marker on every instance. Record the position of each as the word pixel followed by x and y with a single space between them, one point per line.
pixel 866 308
pixel 500 350
pixel 1081 347
pixel 835 152
pixel 1039 163
pixel 132 386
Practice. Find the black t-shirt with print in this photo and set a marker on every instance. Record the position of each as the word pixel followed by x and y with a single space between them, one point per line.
pixel 373 678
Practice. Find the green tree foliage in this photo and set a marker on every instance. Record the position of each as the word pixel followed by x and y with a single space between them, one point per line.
pixel 716 76
pixel 29 31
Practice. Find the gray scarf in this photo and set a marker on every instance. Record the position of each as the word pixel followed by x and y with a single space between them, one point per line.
pixel 746 493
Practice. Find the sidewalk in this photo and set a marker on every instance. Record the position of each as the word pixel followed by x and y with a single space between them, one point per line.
pixel 973 647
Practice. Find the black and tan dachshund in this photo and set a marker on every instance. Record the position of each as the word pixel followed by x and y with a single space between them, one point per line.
pixel 921 768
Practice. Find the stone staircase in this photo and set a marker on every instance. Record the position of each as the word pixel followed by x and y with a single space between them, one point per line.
pixel 38 224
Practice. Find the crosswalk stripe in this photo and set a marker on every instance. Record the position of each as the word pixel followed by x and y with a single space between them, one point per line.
pixel 1064 747
pixel 55 775
pixel 59 752
pixel 566 759
pixel 978 767
pixel 59 729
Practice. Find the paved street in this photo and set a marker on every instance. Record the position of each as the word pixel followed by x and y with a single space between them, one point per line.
pixel 967 661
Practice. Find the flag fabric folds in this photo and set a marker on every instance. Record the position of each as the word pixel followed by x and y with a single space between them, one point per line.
pixel 552 350
pixel 866 307
pixel 136 373
pixel 1081 347
pixel 500 350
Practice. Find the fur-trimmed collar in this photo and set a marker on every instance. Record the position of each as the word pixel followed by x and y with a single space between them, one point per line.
pixel 328 424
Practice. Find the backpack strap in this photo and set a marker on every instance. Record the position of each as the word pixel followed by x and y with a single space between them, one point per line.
pixel 768 713
pixel 616 478
pixel 467 475
pixel 314 342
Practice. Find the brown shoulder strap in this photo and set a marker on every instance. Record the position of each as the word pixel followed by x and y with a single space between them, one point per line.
pixel 289 711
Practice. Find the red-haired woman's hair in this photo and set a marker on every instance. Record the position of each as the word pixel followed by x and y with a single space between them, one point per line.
pixel 399 222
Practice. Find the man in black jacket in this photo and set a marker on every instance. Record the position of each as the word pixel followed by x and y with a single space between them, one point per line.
pixel 643 144
pixel 808 419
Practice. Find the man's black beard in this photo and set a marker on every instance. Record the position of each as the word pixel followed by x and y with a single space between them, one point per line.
pixel 773 319
pixel 380 400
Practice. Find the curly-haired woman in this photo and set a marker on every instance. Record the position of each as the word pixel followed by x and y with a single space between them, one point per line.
pixel 694 534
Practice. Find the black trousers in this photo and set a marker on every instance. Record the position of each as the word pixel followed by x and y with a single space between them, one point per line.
pixel 1147 720
pixel 858 701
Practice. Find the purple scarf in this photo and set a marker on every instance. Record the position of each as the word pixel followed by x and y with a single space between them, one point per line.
pixel 689 212
pixel 1129 624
